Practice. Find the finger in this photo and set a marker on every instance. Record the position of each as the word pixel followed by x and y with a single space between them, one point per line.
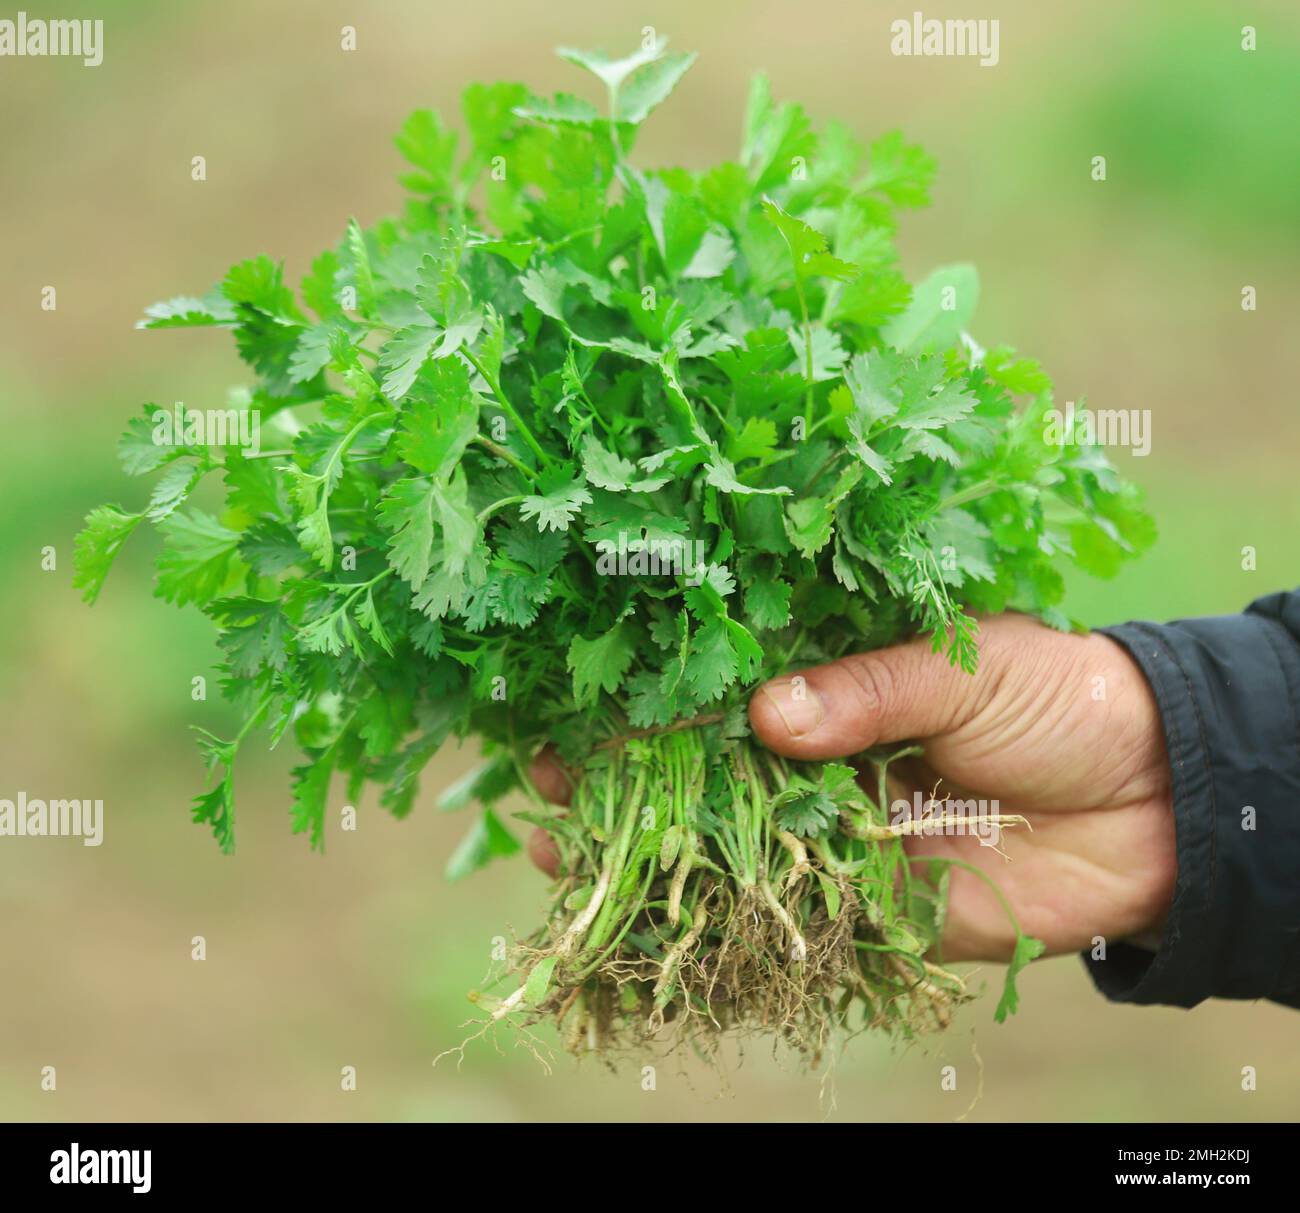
pixel 550 777
pixel 901 693
pixel 543 852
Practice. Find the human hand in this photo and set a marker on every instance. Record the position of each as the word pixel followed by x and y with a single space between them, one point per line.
pixel 1061 729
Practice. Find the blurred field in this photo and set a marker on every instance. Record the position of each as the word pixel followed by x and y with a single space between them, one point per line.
pixel 1128 290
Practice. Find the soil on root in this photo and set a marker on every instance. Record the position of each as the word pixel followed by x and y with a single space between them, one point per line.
pixel 742 975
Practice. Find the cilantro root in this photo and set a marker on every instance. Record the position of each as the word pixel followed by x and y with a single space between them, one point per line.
pixel 683 905
pixel 578 451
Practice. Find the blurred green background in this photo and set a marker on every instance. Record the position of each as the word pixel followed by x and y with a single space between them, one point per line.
pixel 1129 290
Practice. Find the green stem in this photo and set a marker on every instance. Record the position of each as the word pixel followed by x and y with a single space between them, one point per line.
pixel 637 907
pixel 354 588
pixel 253 719
pixel 488 510
pixel 972 492
pixel 983 875
pixel 501 453
pixel 495 384
pixel 600 927
pixel 609 803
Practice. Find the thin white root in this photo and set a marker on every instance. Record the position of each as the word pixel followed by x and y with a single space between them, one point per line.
pixel 677 888
pixel 938 971
pixel 578 927
pixel 799 853
pixel 938 825
pixel 509 1004
pixel 668 970
pixel 798 945
pixel 668 974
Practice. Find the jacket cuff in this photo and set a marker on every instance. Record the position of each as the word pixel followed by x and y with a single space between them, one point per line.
pixel 1228 692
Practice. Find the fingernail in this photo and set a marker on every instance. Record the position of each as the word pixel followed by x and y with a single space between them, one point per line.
pixel 798 705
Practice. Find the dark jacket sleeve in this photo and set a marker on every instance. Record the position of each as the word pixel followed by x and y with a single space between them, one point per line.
pixel 1228 691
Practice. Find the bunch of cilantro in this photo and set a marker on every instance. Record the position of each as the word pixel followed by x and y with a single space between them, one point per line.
pixel 577 451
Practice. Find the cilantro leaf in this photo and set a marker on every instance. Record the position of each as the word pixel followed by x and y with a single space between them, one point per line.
pixel 107 528
pixel 199 558
pixel 555 508
pixel 601 664
pixel 1027 949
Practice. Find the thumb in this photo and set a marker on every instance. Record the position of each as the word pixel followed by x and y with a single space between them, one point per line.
pixel 896 694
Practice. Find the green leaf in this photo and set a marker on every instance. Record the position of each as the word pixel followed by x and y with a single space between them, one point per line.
pixel 314 533
pixel 216 810
pixel 713 665
pixel 808 812
pixel 950 403
pixel 140 448
pixel 601 664
pixel 379 724
pixel 606 470
pixel 487 840
pixel 436 428
pixel 873 299
pixel 489 112
pixel 312 353
pixel 807 247
pixel 649 86
pixel 941 307
pixel 198 560
pixel 831 892
pixel 828 354
pixel 259 284
pixel 270 548
pixel 97 544
pixel 186 312
pixel 899 170
pixel 558 506
pixel 539 981
pixel 431 148
pixel 767 603
pixel 311 786
pixel 254 635
pixel 721 474
pixel 756 441
pixel 689 242
pixel 402 356
pixel 485 784
pixel 362 275
pixel 872 381
pixel 320 287
pixel 612 72
pixel 564 109
pixel 774 136
pixel 368 617
pixel 460 527
pixel 1027 948
pixel 808 524
pixel 1021 376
